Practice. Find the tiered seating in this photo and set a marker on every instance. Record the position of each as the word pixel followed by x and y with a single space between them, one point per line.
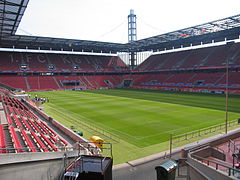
pixel 36 129
pixel 175 69
pixel 29 142
pixel 26 124
pixel 92 84
pixel 9 119
pixel 15 139
pixel 48 142
pixel 59 62
pixel 117 79
pixel 33 82
pixel 42 82
pixel 8 62
pixel 29 134
pixel 14 81
pixel 39 142
pixel 190 79
pixel 196 58
pixel 102 81
pixel 14 106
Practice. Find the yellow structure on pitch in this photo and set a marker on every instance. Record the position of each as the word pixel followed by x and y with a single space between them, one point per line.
pixel 97 141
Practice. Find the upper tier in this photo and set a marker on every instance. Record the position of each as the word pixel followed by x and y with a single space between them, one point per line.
pixel 14 61
pixel 210 57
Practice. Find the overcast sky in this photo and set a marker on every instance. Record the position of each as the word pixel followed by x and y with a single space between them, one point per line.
pixel 106 20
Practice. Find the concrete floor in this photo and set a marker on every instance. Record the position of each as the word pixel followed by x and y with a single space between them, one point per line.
pixel 144 169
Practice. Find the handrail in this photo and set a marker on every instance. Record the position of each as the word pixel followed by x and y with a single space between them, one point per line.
pixel 61 148
pixel 234 146
pixel 230 169
pixel 206 128
pixel 219 149
pixel 199 147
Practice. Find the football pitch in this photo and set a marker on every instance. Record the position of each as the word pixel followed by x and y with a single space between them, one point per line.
pixel 137 122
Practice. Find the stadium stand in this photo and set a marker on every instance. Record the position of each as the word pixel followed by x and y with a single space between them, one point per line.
pixel 191 70
pixel 23 131
pixel 209 57
pixel 199 69
pixel 202 68
pixel 37 62
pixel 28 132
pixel 194 80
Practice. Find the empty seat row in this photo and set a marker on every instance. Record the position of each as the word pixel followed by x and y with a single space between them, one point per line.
pixel 28 134
pixel 15 139
pixel 58 62
pixel 28 141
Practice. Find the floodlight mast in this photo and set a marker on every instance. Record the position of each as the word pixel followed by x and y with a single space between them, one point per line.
pixel 132 26
pixel 132 36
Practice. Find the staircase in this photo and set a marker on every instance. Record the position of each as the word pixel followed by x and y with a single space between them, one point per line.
pixel 98 85
pixel 219 79
pixel 88 81
pixel 169 77
pixel 54 78
pixel 192 77
pixel 9 143
pixel 26 81
pixel 82 82
pixel 108 82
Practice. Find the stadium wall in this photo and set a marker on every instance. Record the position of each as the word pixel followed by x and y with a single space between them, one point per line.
pixel 35 166
pixel 199 171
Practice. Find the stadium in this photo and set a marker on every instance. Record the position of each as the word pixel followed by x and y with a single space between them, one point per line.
pixel 162 107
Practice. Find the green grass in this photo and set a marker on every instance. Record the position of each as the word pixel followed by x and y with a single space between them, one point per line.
pixel 141 120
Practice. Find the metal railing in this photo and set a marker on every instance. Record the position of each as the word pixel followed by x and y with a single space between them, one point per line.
pixel 233 147
pixel 219 149
pixel 28 149
pixel 202 132
pixel 185 138
pixel 230 171
pixel 82 148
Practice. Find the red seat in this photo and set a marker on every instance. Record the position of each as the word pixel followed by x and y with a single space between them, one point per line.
pixel 49 142
pixel 16 141
pixel 9 120
pixel 64 142
pixel 17 121
pixel 50 129
pixel 33 125
pixel 42 127
pixel 26 124
pixel 29 142
pixel 39 142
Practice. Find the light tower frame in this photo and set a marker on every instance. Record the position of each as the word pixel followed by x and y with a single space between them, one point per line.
pixel 132 26
pixel 132 36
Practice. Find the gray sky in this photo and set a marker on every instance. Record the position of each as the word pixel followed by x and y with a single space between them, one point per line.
pixel 106 20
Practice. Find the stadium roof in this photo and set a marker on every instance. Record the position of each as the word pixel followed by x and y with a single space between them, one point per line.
pixel 11 12
pixel 46 43
pixel 199 30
